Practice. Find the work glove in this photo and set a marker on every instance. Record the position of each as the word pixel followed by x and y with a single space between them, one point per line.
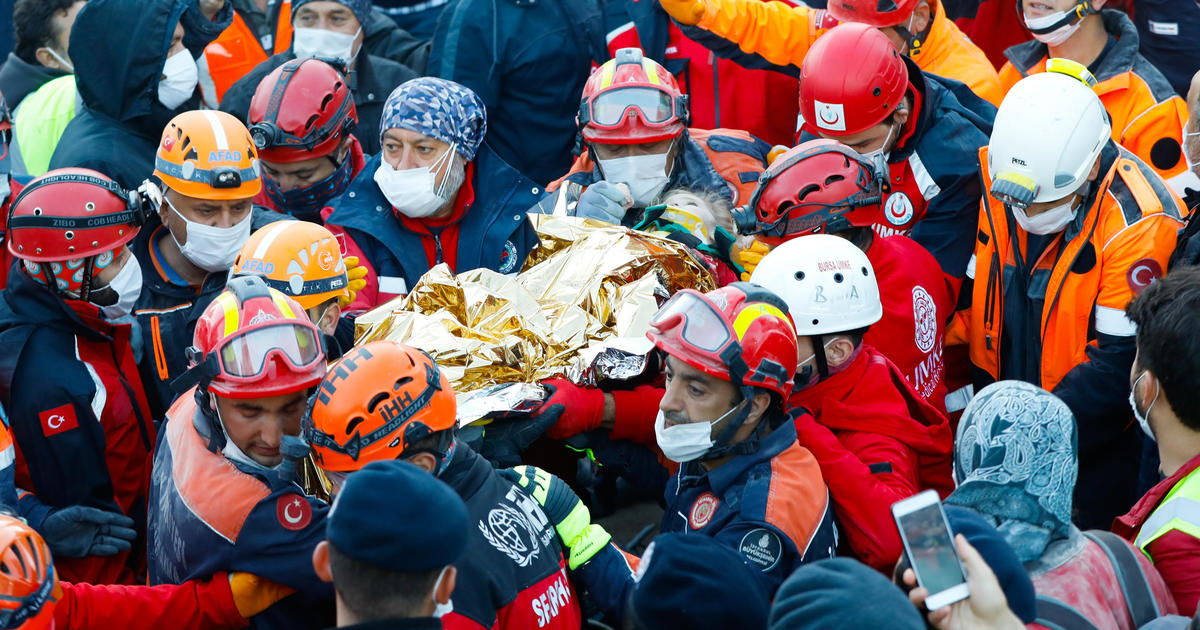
pixel 604 201
pixel 571 408
pixel 749 257
pixel 572 519
pixel 686 12
pixel 253 594
pixel 80 531
pixel 505 438
pixel 356 279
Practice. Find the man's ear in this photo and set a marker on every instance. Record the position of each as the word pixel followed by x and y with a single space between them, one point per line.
pixel 320 562
pixel 424 461
pixel 922 15
pixel 329 320
pixel 839 352
pixel 758 410
pixel 442 593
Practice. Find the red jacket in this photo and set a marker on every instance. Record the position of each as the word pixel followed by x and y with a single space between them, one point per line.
pixel 877 442
pixel 1175 552
pixel 193 605
pixel 917 301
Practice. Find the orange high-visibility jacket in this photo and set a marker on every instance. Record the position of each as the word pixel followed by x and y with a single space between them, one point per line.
pixel 236 51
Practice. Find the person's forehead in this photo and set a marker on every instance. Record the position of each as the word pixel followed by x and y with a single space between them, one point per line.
pixel 294 167
pixel 327 7
pixel 403 134
pixel 682 370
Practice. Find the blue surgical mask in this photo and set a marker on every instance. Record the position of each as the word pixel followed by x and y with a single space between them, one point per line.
pixel 306 202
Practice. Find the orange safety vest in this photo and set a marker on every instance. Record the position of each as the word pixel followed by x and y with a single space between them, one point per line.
pixel 1127 236
pixel 236 51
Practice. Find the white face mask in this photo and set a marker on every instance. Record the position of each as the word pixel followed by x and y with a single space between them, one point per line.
pixel 687 442
pixel 323 44
pixel 414 191
pixel 646 175
pixel 1051 221
pixel 212 248
pixel 180 77
pixel 1070 23
pixel 128 286
pixel 1143 418
pixel 879 157
pixel 441 609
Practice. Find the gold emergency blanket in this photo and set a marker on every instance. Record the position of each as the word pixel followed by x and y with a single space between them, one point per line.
pixel 588 288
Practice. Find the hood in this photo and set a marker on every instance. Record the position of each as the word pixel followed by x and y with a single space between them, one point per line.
pixel 119 48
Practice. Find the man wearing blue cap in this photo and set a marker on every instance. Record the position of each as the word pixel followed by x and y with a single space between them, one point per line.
pixel 391 567
pixel 435 194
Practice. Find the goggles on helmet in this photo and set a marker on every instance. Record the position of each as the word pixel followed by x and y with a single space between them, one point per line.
pixel 657 107
pixel 691 318
pixel 245 356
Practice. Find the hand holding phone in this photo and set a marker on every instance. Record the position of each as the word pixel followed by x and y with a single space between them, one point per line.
pixel 929 545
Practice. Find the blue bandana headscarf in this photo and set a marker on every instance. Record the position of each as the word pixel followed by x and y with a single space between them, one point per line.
pixel 440 109
pixel 1015 463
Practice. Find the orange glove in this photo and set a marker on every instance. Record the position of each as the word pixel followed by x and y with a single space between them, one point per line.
pixel 253 594
pixel 356 279
pixel 686 12
pixel 749 258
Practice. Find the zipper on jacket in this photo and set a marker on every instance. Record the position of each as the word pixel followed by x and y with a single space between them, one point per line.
pixel 437 244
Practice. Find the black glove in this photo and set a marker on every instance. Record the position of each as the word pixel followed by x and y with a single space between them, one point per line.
pixel 505 439
pixel 80 531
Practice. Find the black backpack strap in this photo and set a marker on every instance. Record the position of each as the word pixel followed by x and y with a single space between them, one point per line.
pixel 1139 599
pixel 1056 615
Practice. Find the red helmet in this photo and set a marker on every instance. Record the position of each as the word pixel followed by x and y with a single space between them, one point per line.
pixel 820 186
pixel 300 111
pixel 29 588
pixel 739 333
pixel 878 13
pixel 631 100
pixel 71 222
pixel 838 98
pixel 255 342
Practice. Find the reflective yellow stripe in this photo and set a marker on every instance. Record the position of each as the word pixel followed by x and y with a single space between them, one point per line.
pixel 651 71
pixel 753 312
pixel 282 304
pixel 229 305
pixel 606 74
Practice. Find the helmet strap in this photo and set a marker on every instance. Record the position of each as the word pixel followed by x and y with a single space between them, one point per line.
pixel 89 269
pixel 914 41
pixel 215 440
pixel 818 342
pixel 722 447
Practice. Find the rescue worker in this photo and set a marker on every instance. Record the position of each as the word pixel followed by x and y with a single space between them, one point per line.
pixel 132 80
pixel 302 261
pixel 260 30
pixel 70 383
pixel 254 362
pixel 782 35
pixel 437 193
pixel 743 479
pixel 875 437
pixel 1163 523
pixel 386 401
pixel 389 566
pixel 824 187
pixel 1146 114
pixel 206 173
pixel 302 120
pixel 911 126
pixel 1072 228
pixel 333 30
pixel 42 29
pixel 633 121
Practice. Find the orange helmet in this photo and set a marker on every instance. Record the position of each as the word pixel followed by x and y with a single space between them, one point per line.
pixel 29 588
pixel 297 258
pixel 375 403
pixel 208 154
pixel 631 100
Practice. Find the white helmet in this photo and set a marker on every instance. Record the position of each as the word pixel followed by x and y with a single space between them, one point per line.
pixel 827 282
pixel 1049 130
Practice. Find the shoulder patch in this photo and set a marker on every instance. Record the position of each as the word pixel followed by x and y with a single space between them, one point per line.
pixel 1142 274
pixel 762 547
pixel 508 258
pixel 58 420
pixel 293 511
pixel 703 510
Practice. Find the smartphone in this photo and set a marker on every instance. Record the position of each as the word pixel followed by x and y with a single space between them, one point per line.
pixel 930 548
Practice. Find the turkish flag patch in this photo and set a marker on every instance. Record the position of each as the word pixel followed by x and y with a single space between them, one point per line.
pixel 1142 274
pixel 293 511
pixel 58 420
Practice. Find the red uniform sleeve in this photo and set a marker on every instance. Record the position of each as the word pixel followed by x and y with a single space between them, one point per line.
pixel 866 473
pixel 193 605
pixel 635 412
pixel 455 621
pixel 1174 555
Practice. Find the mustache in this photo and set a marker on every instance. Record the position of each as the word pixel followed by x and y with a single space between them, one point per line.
pixel 676 417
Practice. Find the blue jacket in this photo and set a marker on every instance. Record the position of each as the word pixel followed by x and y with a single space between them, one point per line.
pixel 771 506
pixel 119 50
pixel 210 513
pixel 494 234
pixel 528 60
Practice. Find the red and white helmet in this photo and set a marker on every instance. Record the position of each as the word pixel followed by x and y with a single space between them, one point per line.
pixel 841 98
pixel 300 111
pixel 631 100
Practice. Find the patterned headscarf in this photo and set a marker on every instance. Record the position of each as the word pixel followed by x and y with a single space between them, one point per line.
pixel 441 109
pixel 1015 463
pixel 361 9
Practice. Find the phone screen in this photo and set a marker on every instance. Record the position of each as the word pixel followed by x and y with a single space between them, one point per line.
pixel 931 549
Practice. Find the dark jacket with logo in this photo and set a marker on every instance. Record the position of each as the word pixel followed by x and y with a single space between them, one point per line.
pixel 495 232
pixel 81 425
pixel 119 48
pixel 512 575
pixel 167 314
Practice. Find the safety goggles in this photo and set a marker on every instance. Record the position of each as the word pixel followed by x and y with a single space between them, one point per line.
pixel 656 107
pixel 690 318
pixel 246 355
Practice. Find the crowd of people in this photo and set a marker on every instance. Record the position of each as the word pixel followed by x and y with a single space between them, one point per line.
pixel 955 250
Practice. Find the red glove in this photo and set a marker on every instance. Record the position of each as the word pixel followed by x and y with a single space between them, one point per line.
pixel 578 408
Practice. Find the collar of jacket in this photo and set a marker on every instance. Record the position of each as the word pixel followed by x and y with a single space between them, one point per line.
pixel 1116 63
pixel 1127 525
pixel 20 78
pixel 926 96
pixel 32 303
pixel 467 471
pixel 726 475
